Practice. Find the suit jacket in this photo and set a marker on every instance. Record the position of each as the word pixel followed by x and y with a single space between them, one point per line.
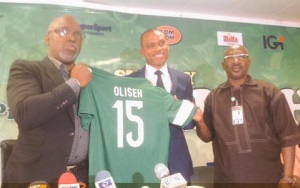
pixel 179 156
pixel 41 104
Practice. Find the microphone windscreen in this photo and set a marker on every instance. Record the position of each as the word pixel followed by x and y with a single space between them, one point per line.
pixel 67 178
pixel 161 170
pixel 39 184
pixel 103 179
pixel 103 174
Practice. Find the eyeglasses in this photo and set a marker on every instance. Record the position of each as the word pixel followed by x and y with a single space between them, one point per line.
pixel 63 32
pixel 238 56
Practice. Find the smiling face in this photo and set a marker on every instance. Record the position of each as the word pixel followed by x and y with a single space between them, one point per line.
pixel 236 63
pixel 154 48
pixel 64 48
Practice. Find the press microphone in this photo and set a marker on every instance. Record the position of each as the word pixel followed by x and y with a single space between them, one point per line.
pixel 169 181
pixel 233 99
pixel 68 180
pixel 38 184
pixel 161 171
pixel 103 179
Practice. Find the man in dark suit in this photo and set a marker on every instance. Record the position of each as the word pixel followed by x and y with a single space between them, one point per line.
pixel 155 49
pixel 43 97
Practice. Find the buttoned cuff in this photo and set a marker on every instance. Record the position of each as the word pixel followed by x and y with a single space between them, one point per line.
pixel 74 84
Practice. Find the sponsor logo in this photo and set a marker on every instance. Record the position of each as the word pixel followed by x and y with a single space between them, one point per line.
pixel 229 38
pixel 172 35
pixel 95 29
pixel 106 183
pixel 272 42
pixel 175 180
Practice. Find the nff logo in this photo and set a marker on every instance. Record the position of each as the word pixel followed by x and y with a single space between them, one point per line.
pixel 272 42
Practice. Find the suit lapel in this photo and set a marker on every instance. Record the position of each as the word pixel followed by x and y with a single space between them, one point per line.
pixel 52 72
pixel 142 73
pixel 174 81
pixel 56 79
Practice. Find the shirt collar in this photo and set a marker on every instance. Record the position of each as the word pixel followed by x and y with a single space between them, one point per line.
pixel 59 65
pixel 151 70
pixel 249 82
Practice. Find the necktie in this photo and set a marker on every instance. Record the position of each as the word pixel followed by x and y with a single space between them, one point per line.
pixel 159 82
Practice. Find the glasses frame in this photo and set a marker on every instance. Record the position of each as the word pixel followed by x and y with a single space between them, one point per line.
pixel 64 32
pixel 239 56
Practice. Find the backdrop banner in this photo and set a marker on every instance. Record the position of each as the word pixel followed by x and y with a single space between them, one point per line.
pixel 113 40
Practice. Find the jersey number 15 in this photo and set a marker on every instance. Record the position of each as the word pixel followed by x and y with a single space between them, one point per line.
pixel 129 104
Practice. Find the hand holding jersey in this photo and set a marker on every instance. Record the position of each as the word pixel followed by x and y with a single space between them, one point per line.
pixel 82 74
pixel 125 139
pixel 201 127
pixel 198 117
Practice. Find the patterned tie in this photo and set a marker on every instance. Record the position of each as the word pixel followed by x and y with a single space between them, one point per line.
pixel 159 82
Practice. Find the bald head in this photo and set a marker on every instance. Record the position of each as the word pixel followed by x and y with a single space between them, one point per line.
pixel 62 39
pixel 236 63
pixel 60 21
pixel 236 47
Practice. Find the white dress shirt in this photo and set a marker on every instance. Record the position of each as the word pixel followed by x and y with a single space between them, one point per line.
pixel 152 77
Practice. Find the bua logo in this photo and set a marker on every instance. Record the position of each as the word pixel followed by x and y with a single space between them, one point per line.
pixel 272 42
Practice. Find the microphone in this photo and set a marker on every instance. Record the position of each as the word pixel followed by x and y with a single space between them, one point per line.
pixel 103 179
pixel 169 181
pixel 68 180
pixel 161 171
pixel 38 184
pixel 233 99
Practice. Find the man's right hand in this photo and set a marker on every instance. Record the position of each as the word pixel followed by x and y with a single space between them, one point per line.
pixel 82 73
pixel 198 117
pixel 202 130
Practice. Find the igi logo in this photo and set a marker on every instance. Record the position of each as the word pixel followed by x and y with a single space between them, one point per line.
pixel 273 42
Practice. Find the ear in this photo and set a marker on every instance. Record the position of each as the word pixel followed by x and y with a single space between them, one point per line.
pixel 47 39
pixel 223 65
pixel 142 52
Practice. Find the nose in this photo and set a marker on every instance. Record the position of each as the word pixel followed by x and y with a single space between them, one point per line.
pixel 71 36
pixel 235 60
pixel 160 48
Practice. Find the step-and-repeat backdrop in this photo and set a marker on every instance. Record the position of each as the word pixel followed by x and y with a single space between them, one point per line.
pixel 113 40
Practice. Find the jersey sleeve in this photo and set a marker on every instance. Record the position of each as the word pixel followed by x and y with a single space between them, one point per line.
pixel 179 112
pixel 86 111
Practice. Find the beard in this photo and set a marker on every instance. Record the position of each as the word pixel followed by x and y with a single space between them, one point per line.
pixel 68 57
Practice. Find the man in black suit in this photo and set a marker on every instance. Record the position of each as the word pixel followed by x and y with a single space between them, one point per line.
pixel 155 49
pixel 43 96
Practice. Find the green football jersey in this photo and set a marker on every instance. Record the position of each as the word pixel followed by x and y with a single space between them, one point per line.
pixel 129 121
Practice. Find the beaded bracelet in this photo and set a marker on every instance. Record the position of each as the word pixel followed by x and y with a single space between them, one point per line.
pixel 290 180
